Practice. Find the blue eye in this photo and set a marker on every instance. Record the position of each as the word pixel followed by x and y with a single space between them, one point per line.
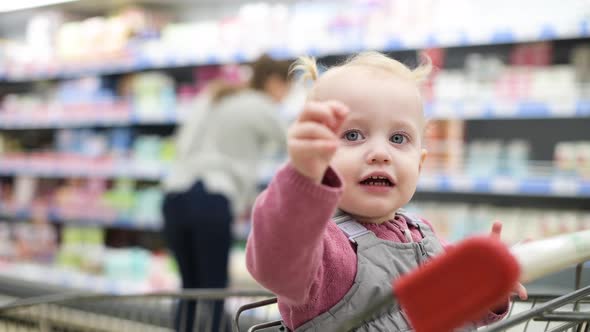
pixel 352 135
pixel 398 139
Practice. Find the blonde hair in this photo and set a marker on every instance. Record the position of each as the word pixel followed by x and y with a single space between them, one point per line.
pixel 308 68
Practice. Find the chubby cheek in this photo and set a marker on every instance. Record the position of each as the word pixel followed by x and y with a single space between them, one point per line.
pixel 355 202
pixel 410 180
pixel 347 202
pixel 409 188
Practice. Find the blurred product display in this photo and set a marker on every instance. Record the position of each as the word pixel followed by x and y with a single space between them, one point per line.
pixel 90 97
pixel 455 221
pixel 140 38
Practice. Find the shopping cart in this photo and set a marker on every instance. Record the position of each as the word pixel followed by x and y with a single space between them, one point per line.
pixel 569 312
pixel 243 311
pixel 157 312
pixel 540 312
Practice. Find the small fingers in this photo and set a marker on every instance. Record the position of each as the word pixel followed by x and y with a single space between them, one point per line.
pixel 311 130
pixel 496 230
pixel 305 147
pixel 318 112
pixel 521 291
pixel 340 111
pixel 339 108
pixel 329 113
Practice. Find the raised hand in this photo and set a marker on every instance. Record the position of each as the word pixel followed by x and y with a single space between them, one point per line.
pixel 313 138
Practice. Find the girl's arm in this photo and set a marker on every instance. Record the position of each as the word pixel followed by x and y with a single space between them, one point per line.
pixel 285 247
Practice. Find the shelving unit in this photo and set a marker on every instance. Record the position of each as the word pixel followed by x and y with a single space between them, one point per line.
pixel 505 185
pixel 108 116
pixel 68 279
pixel 516 110
pixel 143 62
pixel 531 186
pixel 57 218
pixel 542 121
pixel 85 169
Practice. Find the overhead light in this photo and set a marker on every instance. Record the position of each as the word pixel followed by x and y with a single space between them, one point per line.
pixel 9 6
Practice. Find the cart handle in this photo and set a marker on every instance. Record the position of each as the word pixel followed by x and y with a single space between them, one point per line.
pixel 250 306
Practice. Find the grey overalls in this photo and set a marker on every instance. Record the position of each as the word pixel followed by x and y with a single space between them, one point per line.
pixel 378 263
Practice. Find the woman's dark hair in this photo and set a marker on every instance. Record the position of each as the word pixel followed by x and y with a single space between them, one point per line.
pixel 263 68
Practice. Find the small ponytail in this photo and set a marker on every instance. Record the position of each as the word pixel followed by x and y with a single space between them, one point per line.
pixel 308 68
pixel 424 69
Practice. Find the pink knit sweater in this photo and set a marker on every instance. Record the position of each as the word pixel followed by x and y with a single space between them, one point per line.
pixel 295 251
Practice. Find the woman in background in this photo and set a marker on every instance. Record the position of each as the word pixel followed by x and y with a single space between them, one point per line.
pixel 215 177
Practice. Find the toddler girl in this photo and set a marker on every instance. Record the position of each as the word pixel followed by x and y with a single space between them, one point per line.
pixel 328 234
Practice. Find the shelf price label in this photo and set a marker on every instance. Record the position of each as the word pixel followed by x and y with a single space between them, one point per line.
pixel 561 108
pixel 504 185
pixel 147 170
pixel 565 187
pixel 429 182
pixel 444 110
pixel 462 184
pixel 475 109
pixel 505 110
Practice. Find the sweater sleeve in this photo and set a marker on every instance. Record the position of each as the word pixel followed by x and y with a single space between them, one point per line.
pixel 289 218
pixel 492 315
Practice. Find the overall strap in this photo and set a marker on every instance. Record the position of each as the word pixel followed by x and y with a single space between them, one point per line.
pixel 411 220
pixel 350 227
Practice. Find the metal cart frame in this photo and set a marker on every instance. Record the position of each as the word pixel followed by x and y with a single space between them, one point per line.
pixel 81 312
pixel 545 308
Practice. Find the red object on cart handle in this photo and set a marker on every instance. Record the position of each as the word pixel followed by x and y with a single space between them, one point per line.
pixel 458 286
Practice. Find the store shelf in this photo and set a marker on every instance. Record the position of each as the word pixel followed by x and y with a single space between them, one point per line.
pixel 85 123
pixel 240 230
pixel 57 218
pixel 439 110
pixel 125 224
pixel 93 116
pixel 63 122
pixel 173 59
pixel 67 278
pixel 63 169
pixel 515 110
pixel 500 185
pixel 505 185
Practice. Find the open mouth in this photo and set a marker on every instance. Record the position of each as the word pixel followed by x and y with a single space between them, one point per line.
pixel 381 181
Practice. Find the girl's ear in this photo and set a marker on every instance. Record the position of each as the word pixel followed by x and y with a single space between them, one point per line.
pixel 423 155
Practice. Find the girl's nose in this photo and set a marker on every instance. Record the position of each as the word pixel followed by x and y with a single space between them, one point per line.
pixel 378 155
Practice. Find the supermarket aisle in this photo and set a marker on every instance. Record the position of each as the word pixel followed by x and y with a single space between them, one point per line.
pixel 92 94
